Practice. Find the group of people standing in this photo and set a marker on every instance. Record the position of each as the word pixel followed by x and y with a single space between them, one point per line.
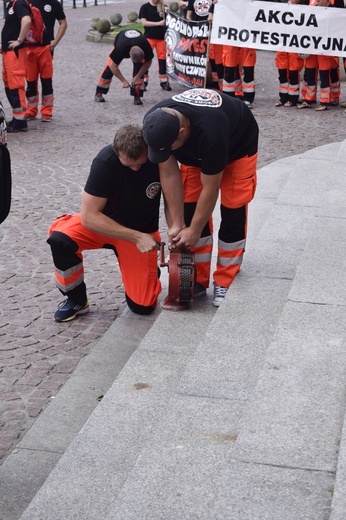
pixel 25 62
pixel 294 92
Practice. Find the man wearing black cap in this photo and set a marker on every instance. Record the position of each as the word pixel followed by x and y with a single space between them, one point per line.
pixel 214 139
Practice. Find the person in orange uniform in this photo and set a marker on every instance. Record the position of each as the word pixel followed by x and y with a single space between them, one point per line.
pixel 128 43
pixel 152 15
pixel 239 73
pixel 14 58
pixel 289 65
pixel 214 137
pixel 40 60
pixel 328 69
pixel 120 211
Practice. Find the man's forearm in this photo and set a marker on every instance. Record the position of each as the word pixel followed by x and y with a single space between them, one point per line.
pixel 100 223
pixel 206 201
pixel 204 209
pixel 173 192
pixel 116 71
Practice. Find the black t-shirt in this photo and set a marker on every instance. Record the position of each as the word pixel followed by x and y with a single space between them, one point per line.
pixel 133 196
pixel 222 129
pixel 51 11
pixel 200 9
pixel 126 39
pixel 11 28
pixel 150 13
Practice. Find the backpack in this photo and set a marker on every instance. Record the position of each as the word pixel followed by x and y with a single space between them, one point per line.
pixel 37 27
pixel 5 170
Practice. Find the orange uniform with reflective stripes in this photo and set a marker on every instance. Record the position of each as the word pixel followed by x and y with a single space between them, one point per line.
pixel 138 270
pixel 237 189
pixel 289 65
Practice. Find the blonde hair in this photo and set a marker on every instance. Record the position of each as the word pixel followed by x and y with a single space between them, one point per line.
pixel 160 6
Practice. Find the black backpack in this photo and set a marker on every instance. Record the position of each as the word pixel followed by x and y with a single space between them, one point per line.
pixel 5 170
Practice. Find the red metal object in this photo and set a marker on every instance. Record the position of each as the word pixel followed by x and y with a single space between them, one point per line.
pixel 181 278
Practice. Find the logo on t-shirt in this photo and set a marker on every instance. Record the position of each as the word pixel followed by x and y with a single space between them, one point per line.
pixel 47 8
pixel 200 97
pixel 132 33
pixel 153 189
pixel 202 7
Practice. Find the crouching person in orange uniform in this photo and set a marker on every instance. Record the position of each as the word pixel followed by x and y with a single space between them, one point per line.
pixel 120 211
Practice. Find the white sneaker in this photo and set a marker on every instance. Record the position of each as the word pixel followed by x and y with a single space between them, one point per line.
pixel 219 295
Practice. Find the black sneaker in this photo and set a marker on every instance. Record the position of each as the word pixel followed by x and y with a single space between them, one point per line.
pixel 15 126
pixel 199 290
pixel 166 86
pixel 137 101
pixel 68 310
pixel 99 98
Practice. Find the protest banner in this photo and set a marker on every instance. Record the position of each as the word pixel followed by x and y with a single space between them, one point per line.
pixel 280 27
pixel 186 50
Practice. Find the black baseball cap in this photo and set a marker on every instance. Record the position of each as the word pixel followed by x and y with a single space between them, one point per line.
pixel 160 130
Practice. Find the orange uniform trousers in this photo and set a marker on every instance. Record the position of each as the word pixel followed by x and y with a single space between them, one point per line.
pixel 39 64
pixel 216 64
pixel 239 77
pixel 105 79
pixel 13 75
pixel 328 69
pixel 68 239
pixel 160 47
pixel 237 189
pixel 289 65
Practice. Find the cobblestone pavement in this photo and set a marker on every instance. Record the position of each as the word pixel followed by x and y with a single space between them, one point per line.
pixel 50 164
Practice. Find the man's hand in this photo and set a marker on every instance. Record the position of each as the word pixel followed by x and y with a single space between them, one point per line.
pixel 137 80
pixel 13 44
pixel 146 243
pixel 186 238
pixel 125 84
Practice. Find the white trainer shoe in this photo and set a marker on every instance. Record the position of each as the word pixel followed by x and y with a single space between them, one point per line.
pixel 219 295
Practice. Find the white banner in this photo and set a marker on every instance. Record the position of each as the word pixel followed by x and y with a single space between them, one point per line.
pixel 280 27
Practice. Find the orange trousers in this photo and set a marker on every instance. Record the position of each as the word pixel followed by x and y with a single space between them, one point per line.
pixel 237 189
pixel 68 239
pixel 13 75
pixel 160 47
pixel 39 65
